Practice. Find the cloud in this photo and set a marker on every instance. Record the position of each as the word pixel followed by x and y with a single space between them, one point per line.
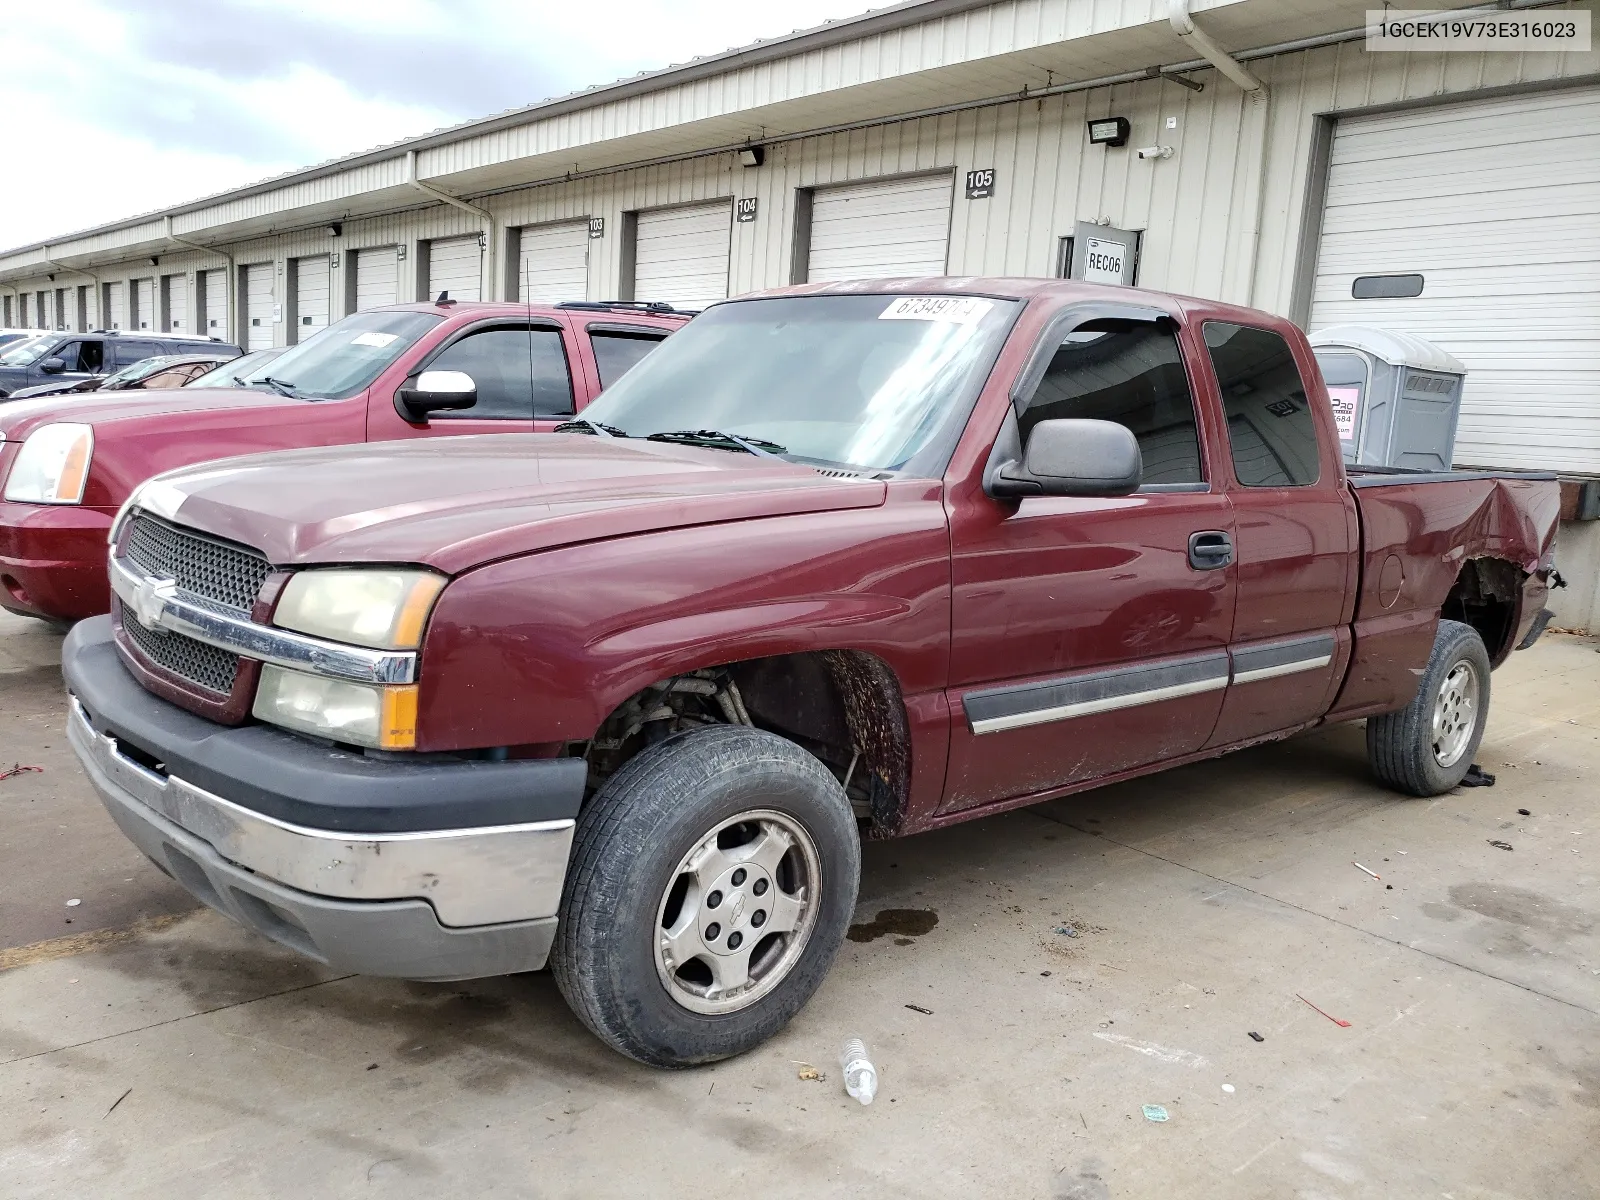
pixel 164 101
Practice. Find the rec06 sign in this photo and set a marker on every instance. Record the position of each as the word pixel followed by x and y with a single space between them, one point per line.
pixel 1104 261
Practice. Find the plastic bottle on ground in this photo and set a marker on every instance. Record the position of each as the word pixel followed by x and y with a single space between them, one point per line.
pixel 860 1076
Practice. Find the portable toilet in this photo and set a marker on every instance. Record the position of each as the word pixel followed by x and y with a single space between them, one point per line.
pixel 1396 398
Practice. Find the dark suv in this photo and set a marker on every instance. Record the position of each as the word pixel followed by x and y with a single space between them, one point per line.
pixel 62 356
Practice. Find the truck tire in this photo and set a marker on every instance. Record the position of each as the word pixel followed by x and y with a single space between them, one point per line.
pixel 1426 747
pixel 712 879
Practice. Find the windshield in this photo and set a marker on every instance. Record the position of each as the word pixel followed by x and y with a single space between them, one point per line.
pixel 864 382
pixel 238 372
pixel 137 371
pixel 344 358
pixel 25 354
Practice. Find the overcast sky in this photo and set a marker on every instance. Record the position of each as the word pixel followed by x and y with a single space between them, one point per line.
pixel 115 109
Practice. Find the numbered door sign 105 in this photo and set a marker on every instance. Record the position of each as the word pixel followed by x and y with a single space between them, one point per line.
pixel 746 209
pixel 980 184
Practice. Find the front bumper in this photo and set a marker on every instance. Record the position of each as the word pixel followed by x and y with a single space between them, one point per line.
pixel 53 560
pixel 446 902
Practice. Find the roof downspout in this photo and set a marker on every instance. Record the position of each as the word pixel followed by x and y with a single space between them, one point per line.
pixel 230 284
pixel 1183 25
pixel 1260 108
pixel 491 262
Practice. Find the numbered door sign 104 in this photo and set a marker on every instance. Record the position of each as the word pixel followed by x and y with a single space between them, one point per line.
pixel 746 209
pixel 980 184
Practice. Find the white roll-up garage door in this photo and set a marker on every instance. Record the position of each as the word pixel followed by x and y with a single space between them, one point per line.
pixel 553 263
pixel 1494 205
pixel 455 265
pixel 215 284
pixel 178 305
pixel 681 254
pixel 63 309
pixel 116 309
pixel 889 227
pixel 143 315
pixel 310 295
pixel 377 277
pixel 258 306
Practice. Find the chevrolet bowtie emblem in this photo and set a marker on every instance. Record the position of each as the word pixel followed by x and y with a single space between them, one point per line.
pixel 150 600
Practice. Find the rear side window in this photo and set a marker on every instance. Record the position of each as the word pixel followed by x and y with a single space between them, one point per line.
pixel 1271 431
pixel 617 353
pixel 1130 372
pixel 130 352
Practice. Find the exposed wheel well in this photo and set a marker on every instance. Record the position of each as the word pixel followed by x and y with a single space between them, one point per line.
pixel 1485 596
pixel 843 706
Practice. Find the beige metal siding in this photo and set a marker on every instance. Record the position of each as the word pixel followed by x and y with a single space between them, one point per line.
pixel 377 277
pixel 681 254
pixel 455 265
pixel 310 295
pixel 258 306
pixel 553 262
pixel 1496 204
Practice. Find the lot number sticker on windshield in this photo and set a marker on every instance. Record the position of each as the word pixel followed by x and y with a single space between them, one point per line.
pixel 958 310
pixel 379 340
pixel 1346 402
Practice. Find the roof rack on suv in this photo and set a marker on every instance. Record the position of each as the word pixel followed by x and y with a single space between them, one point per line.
pixel 648 306
pixel 151 333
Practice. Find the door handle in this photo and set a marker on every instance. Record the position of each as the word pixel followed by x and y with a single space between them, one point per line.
pixel 1210 549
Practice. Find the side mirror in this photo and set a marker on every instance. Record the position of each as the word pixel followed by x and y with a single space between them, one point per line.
pixel 436 391
pixel 53 366
pixel 1073 458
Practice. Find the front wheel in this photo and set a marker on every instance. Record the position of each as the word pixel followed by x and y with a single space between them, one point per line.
pixel 712 881
pixel 1426 748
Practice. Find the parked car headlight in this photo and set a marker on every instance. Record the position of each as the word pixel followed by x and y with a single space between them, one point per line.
pixel 53 465
pixel 359 713
pixel 381 609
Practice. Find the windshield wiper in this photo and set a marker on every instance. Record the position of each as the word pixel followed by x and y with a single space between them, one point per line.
pixel 715 437
pixel 279 386
pixel 580 424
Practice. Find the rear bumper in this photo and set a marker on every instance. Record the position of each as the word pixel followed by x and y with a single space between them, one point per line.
pixel 455 901
pixel 53 560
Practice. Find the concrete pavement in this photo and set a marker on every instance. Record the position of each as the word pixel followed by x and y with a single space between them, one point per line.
pixel 171 1054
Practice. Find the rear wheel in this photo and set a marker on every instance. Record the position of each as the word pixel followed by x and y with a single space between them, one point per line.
pixel 1427 747
pixel 712 881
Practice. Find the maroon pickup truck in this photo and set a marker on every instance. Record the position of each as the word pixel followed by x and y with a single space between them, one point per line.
pixel 840 561
pixel 66 465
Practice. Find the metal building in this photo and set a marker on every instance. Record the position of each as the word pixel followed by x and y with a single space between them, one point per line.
pixel 1454 196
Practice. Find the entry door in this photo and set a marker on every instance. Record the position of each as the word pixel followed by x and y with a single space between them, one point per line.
pixel 1089 638
pixel 1296 536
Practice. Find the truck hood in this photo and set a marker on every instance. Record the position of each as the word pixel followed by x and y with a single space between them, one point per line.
pixel 454 503
pixel 18 418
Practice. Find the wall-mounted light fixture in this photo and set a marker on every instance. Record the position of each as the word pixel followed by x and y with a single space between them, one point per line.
pixel 155 260
pixel 1109 131
pixel 753 156
pixel 335 230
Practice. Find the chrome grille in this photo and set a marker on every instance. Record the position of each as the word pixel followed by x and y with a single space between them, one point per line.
pixel 204 567
pixel 202 665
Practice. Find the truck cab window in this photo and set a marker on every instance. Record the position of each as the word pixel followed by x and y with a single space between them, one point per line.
pixel 519 372
pixel 618 353
pixel 1130 372
pixel 1271 430
pixel 71 354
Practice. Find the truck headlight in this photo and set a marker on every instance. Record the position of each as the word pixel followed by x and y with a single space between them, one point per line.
pixel 359 713
pixel 380 609
pixel 53 465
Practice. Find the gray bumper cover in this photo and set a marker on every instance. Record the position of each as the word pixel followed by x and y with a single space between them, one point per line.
pixel 371 904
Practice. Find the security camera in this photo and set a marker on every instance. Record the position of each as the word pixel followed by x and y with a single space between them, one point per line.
pixel 1154 151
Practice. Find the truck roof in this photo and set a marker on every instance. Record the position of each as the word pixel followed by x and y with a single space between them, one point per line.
pixel 514 308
